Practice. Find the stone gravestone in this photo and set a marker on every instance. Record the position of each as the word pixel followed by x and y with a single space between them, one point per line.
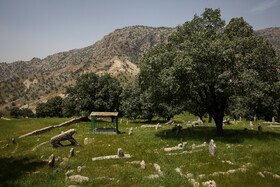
pixel 130 131
pixel 120 152
pixel 51 160
pixel 273 120
pixel 71 153
pixel 260 128
pixel 212 148
pixel 251 125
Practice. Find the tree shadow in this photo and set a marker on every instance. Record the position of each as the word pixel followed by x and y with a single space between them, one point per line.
pixel 234 136
pixel 13 168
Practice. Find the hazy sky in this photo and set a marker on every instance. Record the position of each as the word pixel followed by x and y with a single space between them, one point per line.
pixel 38 28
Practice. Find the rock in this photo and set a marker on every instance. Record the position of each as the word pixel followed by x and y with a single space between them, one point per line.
pixel 6 146
pixel 226 121
pixel 13 141
pixel 86 141
pixel 78 178
pixel 69 172
pixel 126 122
pixel 142 164
pixel 260 174
pixel 153 176
pixel 198 122
pixel 71 153
pixel 189 175
pixel 130 131
pixel 55 141
pixel 276 176
pixel 273 120
pixel 194 183
pixel 157 167
pixel 74 186
pixel 212 148
pixel 157 126
pixel 251 125
pixel 51 160
pixel 80 168
pixel 169 122
pixel 210 183
pixel 120 152
pixel 201 176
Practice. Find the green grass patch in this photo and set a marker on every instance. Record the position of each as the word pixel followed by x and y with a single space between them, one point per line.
pixel 262 151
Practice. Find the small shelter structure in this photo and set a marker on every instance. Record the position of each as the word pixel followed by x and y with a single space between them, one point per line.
pixel 104 122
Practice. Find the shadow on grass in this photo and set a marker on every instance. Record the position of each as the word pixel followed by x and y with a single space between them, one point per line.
pixel 208 133
pixel 13 168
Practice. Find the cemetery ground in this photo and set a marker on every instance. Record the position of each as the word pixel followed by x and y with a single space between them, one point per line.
pixel 243 158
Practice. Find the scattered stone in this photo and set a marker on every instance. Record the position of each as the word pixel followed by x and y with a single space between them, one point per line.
pixel 151 126
pixel 267 172
pixel 201 176
pixel 143 164
pixel 71 153
pixel 197 123
pixel 157 126
pixel 199 146
pixel 251 125
pixel 120 152
pixel 169 122
pixel 210 183
pixel 260 174
pixel 130 131
pixel 78 178
pixel 179 147
pixel 36 172
pixel 273 120
pixel 189 175
pixel 134 162
pixel 42 156
pixel 109 145
pixel 6 146
pixel 51 160
pixel 111 157
pixel 212 148
pixel 228 146
pixel 13 141
pixel 86 141
pixel 153 176
pixel 126 122
pixel 74 186
pixel 255 118
pixel 157 167
pixel 240 119
pixel 37 146
pixel 226 121
pixel 260 128
pixel 69 172
pixel 55 141
pixel 194 183
pixel 80 168
pixel 276 176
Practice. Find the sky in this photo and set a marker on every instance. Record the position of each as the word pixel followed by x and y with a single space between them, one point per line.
pixel 38 28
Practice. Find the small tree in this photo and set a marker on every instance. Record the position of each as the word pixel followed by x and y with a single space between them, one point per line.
pixel 15 112
pixel 93 93
pixel 26 112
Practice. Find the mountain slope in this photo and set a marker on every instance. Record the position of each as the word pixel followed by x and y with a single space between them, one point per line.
pixel 30 82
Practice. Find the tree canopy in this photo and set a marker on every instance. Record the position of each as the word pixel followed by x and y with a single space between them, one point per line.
pixel 93 93
pixel 207 66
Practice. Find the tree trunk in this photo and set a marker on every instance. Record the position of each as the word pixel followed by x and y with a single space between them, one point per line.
pixel 210 119
pixel 219 125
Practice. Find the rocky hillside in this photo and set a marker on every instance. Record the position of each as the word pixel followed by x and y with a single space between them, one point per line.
pixel 272 35
pixel 25 83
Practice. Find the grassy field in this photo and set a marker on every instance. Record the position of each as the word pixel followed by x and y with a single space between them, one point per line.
pixel 238 149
